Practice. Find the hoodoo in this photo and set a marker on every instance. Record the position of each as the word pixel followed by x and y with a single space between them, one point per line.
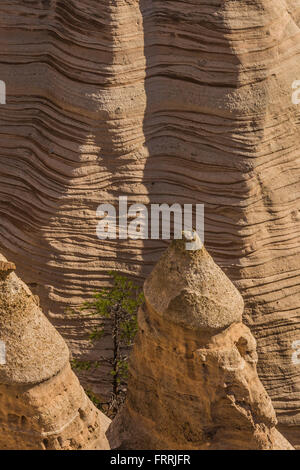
pixel 193 380
pixel 42 405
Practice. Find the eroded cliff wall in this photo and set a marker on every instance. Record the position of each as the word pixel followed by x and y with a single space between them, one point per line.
pixel 213 123
pixel 71 139
pixel 221 128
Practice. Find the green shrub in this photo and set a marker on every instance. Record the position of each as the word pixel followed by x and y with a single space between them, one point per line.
pixel 118 305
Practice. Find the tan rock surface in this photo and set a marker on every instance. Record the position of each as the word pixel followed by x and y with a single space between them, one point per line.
pixel 213 122
pixel 193 382
pixel 71 138
pixel 42 405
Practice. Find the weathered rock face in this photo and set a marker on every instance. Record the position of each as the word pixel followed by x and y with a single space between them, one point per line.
pixel 222 129
pixel 42 405
pixel 214 123
pixel 71 139
pixel 193 379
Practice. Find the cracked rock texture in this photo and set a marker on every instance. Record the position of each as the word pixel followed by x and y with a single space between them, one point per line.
pixel 193 382
pixel 164 101
pixel 42 405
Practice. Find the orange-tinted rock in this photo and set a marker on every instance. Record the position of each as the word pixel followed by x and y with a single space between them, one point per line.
pixel 193 379
pixel 163 101
pixel 42 405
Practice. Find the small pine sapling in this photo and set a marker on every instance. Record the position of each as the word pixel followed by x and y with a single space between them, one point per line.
pixel 118 305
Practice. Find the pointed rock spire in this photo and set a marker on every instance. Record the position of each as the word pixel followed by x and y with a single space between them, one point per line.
pixel 187 288
pixel 42 405
pixel 193 382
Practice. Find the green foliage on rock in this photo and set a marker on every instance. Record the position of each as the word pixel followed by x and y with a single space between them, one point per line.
pixel 118 305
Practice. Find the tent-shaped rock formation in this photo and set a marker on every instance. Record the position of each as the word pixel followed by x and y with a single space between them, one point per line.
pixel 42 405
pixel 193 379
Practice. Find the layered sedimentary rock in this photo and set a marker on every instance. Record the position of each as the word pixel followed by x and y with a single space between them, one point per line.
pixel 71 139
pixel 214 123
pixel 193 379
pixel 42 405
pixel 222 129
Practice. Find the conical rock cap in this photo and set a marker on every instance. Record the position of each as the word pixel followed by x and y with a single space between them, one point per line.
pixel 188 288
pixel 32 351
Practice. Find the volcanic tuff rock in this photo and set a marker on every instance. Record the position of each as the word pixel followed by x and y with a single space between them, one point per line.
pixel 212 123
pixel 42 405
pixel 193 380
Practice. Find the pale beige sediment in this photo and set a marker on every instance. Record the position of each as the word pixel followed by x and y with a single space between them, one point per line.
pixel 212 123
pixel 42 404
pixel 193 379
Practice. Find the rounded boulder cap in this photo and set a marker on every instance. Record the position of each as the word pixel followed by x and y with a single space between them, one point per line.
pixel 32 351
pixel 186 287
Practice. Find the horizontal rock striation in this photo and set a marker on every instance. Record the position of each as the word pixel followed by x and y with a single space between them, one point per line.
pixel 193 380
pixel 221 128
pixel 212 123
pixel 42 405
pixel 71 139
